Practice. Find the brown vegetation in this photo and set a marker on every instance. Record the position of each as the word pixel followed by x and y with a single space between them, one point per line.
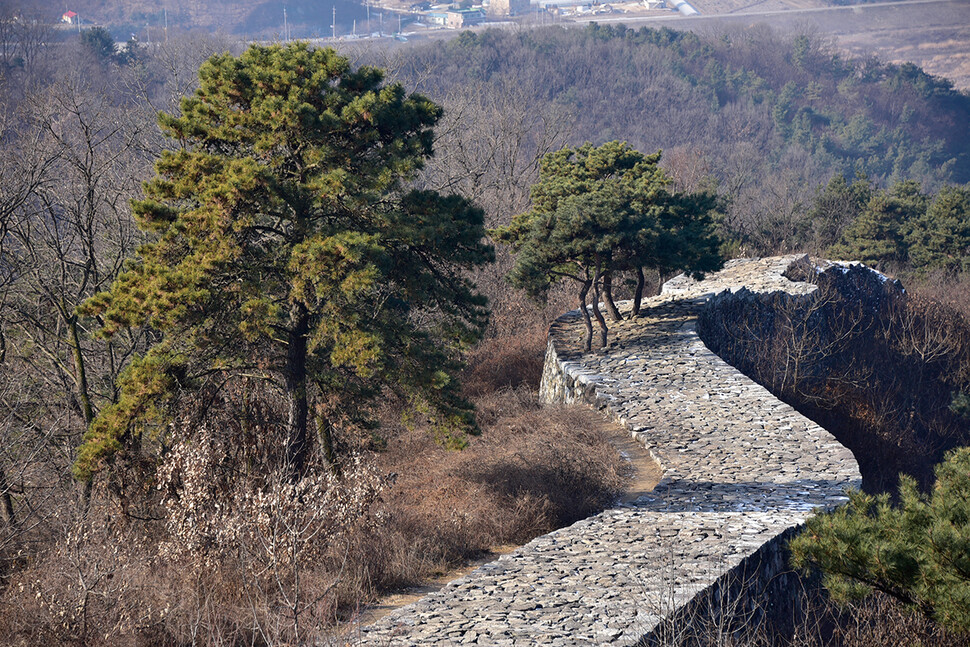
pixel 881 620
pixel 739 620
pixel 225 564
pixel 532 470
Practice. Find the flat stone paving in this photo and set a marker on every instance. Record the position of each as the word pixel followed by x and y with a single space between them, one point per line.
pixel 740 468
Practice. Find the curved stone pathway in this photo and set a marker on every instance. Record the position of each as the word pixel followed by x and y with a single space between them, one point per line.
pixel 740 468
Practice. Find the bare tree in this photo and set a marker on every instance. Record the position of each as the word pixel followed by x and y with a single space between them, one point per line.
pixel 169 71
pixel 65 180
pixel 490 143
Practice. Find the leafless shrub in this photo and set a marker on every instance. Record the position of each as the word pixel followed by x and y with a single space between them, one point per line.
pixel 880 620
pixel 91 586
pixel 282 537
pixel 211 514
pixel 951 290
pixel 532 470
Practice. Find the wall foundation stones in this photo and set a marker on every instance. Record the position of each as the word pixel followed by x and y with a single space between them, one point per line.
pixel 741 469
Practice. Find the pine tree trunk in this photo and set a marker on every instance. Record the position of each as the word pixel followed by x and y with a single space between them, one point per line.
pixel 608 293
pixel 297 445
pixel 586 320
pixel 84 396
pixel 638 294
pixel 80 371
pixel 596 307
pixel 325 433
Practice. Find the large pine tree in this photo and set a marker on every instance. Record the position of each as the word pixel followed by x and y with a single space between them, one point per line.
pixel 289 251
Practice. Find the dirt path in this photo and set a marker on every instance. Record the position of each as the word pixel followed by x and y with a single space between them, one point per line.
pixel 644 476
pixel 646 472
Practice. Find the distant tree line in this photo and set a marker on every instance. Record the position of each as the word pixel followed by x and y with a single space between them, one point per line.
pixel 760 118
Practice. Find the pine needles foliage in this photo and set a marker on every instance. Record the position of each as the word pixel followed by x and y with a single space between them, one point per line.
pixel 917 551
pixel 291 253
pixel 600 210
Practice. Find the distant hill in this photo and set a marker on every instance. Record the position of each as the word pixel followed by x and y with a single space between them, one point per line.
pixel 664 88
pixel 765 117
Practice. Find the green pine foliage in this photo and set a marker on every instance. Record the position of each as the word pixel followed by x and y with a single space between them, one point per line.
pixel 879 235
pixel 99 42
pixel 601 210
pixel 291 252
pixel 902 225
pixel 917 551
pixel 835 208
pixel 582 213
pixel 941 238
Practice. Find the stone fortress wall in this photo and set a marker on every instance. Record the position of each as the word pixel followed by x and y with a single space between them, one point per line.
pixel 742 470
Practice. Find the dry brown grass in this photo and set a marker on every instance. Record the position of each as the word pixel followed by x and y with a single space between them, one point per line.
pixel 876 621
pixel 532 470
pixel 506 363
pixel 101 578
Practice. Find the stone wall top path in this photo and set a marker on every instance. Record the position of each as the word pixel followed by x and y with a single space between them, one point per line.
pixel 740 469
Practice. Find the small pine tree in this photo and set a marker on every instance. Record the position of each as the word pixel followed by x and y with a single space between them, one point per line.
pixel 879 235
pixel 601 210
pixel 941 238
pixel 917 551
pixel 834 209
pixel 99 42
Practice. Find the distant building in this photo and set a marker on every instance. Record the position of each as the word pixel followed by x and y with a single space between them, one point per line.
pixel 508 7
pixel 69 17
pixel 454 18
pixel 436 18
pixel 464 18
